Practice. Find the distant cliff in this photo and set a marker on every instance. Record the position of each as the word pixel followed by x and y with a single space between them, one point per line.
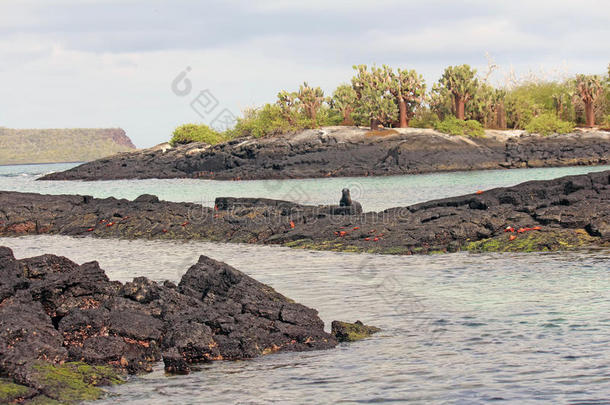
pixel 20 146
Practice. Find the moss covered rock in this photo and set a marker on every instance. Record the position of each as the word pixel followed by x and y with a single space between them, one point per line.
pixel 73 382
pixel 11 392
pixel 351 332
pixel 534 241
pixel 42 400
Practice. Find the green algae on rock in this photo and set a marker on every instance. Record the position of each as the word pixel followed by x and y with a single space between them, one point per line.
pixel 11 392
pixel 535 241
pixel 73 382
pixel 351 332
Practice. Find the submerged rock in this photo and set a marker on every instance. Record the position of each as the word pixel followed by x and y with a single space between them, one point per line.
pixel 351 332
pixel 66 328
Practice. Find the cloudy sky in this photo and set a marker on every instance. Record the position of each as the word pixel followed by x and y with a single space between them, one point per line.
pixel 94 63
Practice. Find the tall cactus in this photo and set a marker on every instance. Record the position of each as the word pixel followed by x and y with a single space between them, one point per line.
pixel 287 101
pixel 375 103
pixel 344 100
pixel 487 107
pixel 589 87
pixel 409 90
pixel 461 82
pixel 311 99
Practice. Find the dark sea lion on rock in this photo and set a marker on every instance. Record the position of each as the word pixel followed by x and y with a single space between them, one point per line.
pixel 346 198
pixel 351 207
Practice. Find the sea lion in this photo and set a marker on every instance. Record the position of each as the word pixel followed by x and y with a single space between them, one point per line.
pixel 350 207
pixel 346 198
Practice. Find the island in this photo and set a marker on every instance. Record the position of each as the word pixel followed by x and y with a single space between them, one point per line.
pixel 34 146
pixel 339 151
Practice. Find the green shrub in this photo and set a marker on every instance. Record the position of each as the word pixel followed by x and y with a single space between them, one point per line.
pixel 548 123
pixel 424 118
pixel 528 100
pixel 452 125
pixel 329 116
pixel 267 120
pixel 188 133
pixel 606 123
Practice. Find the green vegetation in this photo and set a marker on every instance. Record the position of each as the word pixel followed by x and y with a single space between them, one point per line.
pixel 424 118
pixel 21 146
pixel 589 89
pixel 375 106
pixel 409 90
pixel 311 100
pixel 534 242
pixel 74 381
pixel 386 97
pixel 268 120
pixel 606 123
pixel 549 123
pixel 460 83
pixel 352 332
pixel 454 126
pixel 11 392
pixel 343 101
pixel 188 133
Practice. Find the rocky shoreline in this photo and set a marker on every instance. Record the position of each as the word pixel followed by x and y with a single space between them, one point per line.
pixel 348 151
pixel 66 329
pixel 564 213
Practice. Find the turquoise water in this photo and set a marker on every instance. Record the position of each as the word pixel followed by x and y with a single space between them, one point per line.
pixel 457 328
pixel 375 193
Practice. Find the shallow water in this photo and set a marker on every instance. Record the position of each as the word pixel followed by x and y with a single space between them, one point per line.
pixel 374 193
pixel 457 328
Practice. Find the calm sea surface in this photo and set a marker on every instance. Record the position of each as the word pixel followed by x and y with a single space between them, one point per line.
pixel 375 193
pixel 457 328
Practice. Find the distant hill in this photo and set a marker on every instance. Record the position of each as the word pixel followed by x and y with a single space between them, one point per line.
pixel 20 146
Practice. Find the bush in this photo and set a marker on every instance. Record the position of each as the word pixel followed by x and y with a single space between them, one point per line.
pixel 548 123
pixel 528 100
pixel 267 121
pixel 329 116
pixel 452 125
pixel 424 118
pixel 605 125
pixel 188 133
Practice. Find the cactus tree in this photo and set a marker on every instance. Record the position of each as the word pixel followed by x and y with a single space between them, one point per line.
pixel 311 99
pixel 287 101
pixel 375 103
pixel 409 90
pixel 589 88
pixel 462 84
pixel 344 100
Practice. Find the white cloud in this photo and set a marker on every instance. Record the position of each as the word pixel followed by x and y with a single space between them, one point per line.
pixel 75 75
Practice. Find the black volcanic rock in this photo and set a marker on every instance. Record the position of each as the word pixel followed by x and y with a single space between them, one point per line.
pixel 347 151
pixel 55 311
pixel 351 332
pixel 571 211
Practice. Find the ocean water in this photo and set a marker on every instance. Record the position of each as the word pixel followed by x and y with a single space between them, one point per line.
pixel 374 193
pixel 457 328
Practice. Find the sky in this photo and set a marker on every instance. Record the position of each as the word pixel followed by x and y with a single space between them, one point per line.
pixel 149 66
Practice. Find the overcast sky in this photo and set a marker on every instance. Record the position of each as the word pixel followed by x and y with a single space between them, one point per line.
pixel 94 63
